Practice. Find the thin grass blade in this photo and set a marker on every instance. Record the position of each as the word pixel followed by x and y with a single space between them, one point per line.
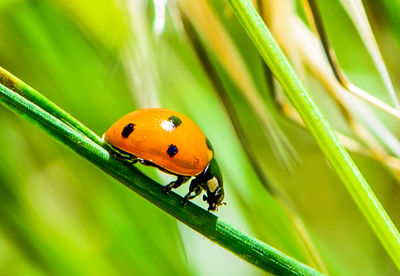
pixel 319 128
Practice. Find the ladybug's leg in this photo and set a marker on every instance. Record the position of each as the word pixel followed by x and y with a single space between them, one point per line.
pixel 177 183
pixel 195 188
pixel 122 156
pixel 127 158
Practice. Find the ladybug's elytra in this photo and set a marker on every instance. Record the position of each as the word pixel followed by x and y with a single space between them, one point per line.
pixel 173 143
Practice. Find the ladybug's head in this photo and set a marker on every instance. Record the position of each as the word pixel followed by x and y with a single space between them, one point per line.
pixel 214 186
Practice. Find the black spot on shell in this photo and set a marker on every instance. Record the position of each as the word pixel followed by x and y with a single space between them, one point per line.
pixel 176 121
pixel 128 129
pixel 172 150
pixel 209 146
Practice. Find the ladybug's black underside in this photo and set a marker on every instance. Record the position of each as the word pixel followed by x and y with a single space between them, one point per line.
pixel 197 185
pixel 129 157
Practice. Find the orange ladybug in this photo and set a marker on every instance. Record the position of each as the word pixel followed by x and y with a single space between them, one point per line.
pixel 173 143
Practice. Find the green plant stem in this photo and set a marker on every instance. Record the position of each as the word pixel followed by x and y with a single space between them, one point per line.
pixel 249 249
pixel 303 235
pixel 319 128
pixel 12 82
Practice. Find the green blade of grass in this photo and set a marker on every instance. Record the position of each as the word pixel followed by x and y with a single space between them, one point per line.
pixel 320 128
pixel 225 52
pixel 302 232
pixel 15 84
pixel 261 255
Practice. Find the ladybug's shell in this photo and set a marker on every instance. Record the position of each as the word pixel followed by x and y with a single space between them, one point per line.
pixel 153 133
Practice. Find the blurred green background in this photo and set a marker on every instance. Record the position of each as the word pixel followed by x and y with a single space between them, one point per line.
pixel 98 60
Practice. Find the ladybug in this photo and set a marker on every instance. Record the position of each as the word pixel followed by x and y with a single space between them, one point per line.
pixel 173 143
